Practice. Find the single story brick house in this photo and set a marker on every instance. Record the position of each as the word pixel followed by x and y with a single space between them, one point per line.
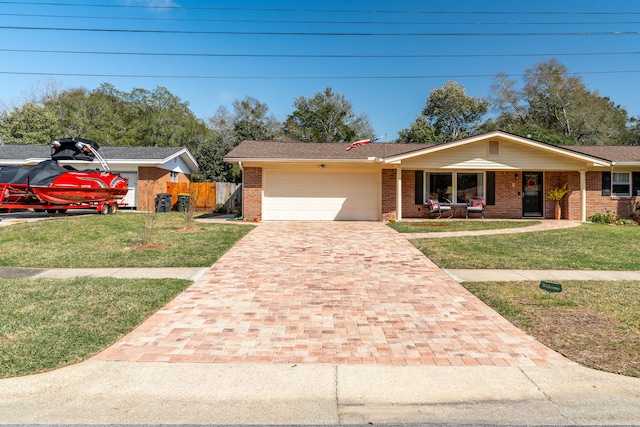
pixel 381 181
pixel 148 169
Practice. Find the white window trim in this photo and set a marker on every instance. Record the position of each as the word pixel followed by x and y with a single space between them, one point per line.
pixel 426 190
pixel 627 183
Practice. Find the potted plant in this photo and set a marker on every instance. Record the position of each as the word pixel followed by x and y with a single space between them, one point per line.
pixel 557 194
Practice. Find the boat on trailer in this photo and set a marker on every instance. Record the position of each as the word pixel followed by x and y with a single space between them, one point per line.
pixel 52 187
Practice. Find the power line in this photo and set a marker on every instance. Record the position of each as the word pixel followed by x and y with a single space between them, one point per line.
pixel 305 22
pixel 248 9
pixel 320 56
pixel 328 34
pixel 210 77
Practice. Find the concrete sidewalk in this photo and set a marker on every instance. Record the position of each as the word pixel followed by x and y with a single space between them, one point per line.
pixel 95 392
pixel 495 275
pixel 186 273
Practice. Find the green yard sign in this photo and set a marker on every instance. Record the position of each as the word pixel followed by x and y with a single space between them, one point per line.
pixel 550 286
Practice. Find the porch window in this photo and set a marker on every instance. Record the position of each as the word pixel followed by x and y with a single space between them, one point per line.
pixel 469 186
pixel 621 183
pixel 459 187
pixel 440 186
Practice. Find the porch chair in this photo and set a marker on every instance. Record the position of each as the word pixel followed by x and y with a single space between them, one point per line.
pixel 475 206
pixel 437 207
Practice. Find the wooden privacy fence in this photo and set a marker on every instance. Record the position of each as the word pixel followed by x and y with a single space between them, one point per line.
pixel 203 194
pixel 229 197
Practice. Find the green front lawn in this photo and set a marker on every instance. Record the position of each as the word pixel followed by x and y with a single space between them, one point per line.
pixel 587 247
pixel 596 324
pixel 442 225
pixel 127 239
pixel 46 324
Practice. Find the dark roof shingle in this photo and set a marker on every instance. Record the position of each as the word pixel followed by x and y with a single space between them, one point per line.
pixel 317 151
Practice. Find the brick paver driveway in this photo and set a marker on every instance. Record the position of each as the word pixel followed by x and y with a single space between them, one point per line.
pixel 329 292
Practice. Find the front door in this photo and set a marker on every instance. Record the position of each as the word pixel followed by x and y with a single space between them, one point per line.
pixel 532 194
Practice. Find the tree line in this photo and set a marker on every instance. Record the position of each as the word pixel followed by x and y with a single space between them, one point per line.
pixel 551 105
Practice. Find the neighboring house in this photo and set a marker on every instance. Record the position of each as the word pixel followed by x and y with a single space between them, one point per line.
pixel 324 181
pixel 148 169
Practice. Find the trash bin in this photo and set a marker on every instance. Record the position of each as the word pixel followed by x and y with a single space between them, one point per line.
pixel 184 203
pixel 163 202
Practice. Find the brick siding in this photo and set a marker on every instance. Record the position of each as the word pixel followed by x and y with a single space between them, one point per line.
pixel 389 194
pixel 252 194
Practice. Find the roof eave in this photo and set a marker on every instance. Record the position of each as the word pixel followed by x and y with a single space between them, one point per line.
pixel 297 160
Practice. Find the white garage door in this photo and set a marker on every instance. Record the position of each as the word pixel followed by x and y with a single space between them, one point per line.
pixel 320 195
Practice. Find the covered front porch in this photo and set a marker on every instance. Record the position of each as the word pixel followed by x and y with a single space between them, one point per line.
pixel 507 194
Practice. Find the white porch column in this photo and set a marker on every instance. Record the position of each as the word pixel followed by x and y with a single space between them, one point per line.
pixel 398 194
pixel 583 196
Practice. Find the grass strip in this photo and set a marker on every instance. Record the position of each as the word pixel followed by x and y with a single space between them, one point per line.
pixel 441 225
pixel 587 247
pixel 596 324
pixel 47 324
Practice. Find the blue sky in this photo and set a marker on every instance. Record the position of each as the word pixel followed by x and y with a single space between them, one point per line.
pixel 384 56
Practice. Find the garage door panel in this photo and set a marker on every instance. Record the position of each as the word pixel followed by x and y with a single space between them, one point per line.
pixel 307 195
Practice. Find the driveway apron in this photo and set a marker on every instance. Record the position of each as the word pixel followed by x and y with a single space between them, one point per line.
pixel 329 292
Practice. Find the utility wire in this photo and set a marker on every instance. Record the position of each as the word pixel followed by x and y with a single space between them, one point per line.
pixel 210 77
pixel 323 56
pixel 307 22
pixel 302 10
pixel 328 34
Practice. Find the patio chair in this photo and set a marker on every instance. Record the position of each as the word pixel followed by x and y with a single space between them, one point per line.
pixel 475 206
pixel 436 206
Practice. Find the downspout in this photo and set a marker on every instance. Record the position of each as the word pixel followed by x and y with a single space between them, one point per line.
pixel 583 196
pixel 242 170
pixel 398 193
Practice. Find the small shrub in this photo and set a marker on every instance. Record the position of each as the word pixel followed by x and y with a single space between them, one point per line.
pixel 606 218
pixel 635 216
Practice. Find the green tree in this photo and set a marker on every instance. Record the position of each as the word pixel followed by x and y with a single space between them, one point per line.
pixel 448 115
pixel 250 120
pixel 327 117
pixel 28 124
pixel 419 132
pixel 558 106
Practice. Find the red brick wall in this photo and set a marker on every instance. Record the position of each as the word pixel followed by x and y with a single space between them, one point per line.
pixel 252 193
pixel 597 203
pixel 388 194
pixel 153 181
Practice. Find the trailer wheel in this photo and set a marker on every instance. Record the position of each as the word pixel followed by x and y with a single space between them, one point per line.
pixel 61 211
pixel 113 209
pixel 104 209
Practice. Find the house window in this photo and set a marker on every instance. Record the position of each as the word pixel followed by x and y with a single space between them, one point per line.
pixel 469 186
pixel 174 176
pixel 440 186
pixel 621 183
pixel 457 187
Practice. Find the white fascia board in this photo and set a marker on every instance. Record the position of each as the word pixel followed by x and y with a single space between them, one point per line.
pixel 497 134
pixel 288 160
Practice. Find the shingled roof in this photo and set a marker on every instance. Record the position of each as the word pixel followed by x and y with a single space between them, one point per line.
pixel 614 153
pixel 309 151
pixel 317 151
